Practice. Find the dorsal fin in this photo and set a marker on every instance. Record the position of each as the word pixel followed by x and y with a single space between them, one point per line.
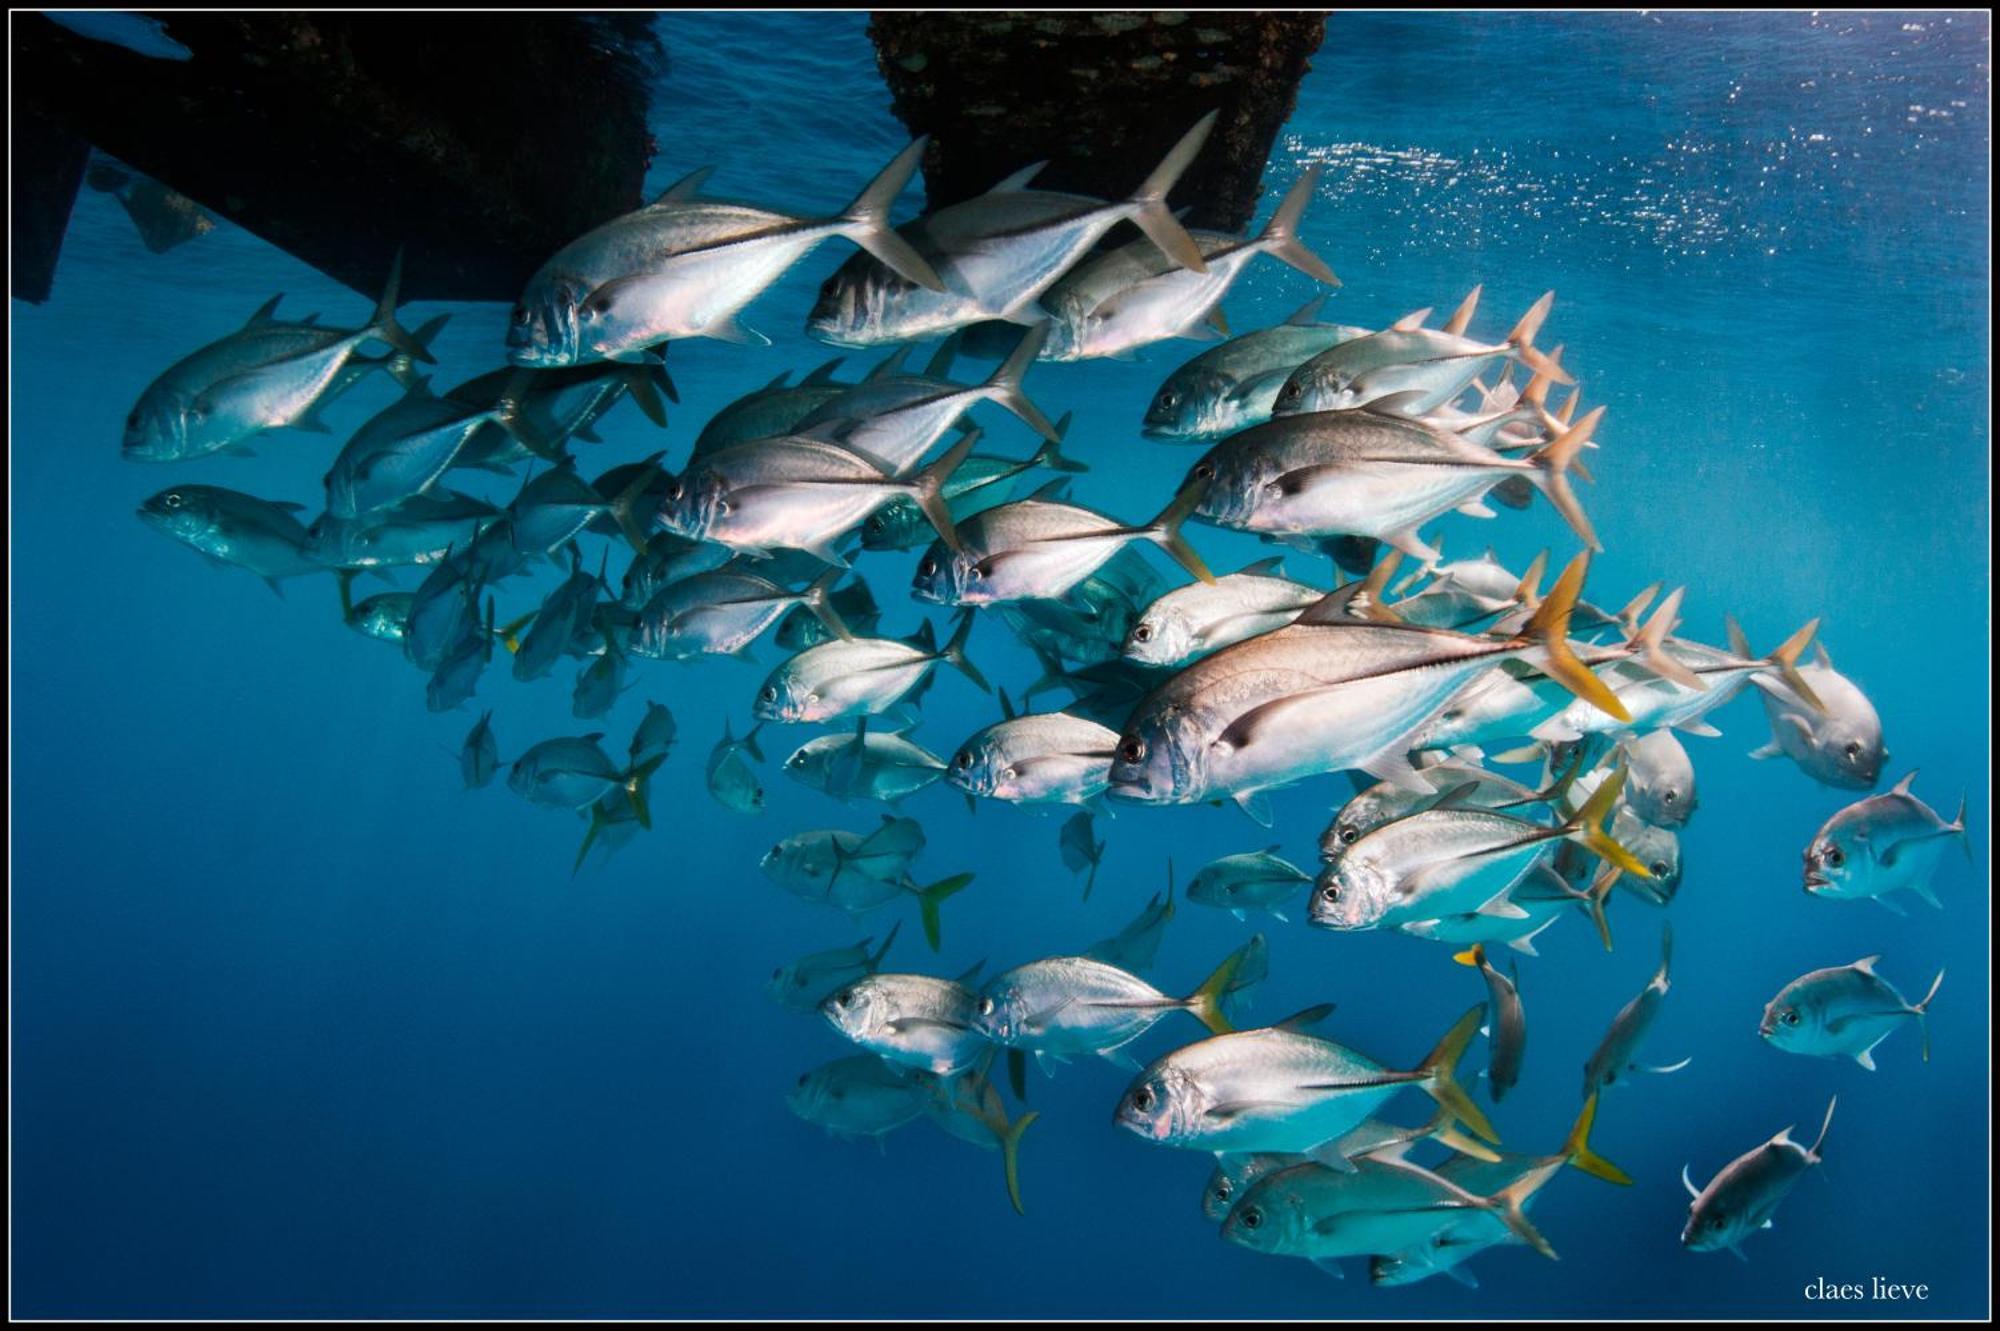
pixel 1457 797
pixel 1412 321
pixel 824 374
pixel 891 364
pixel 1332 607
pixel 1298 1021
pixel 1307 314
pixel 778 381
pixel 1461 318
pixel 1051 491
pixel 1019 180
pixel 1903 787
pixel 686 187
pixel 1007 706
pixel 1867 964
pixel 264 312
pixel 925 638
pixel 939 366
pixel 1274 567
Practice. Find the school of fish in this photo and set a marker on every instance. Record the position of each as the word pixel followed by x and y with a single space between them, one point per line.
pixel 1180 685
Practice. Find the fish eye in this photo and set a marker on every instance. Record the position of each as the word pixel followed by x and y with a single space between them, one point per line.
pixel 1142 1099
pixel 521 315
pixel 1349 834
pixel 973 574
pixel 770 693
pixel 986 1007
pixel 1329 893
pixel 1670 796
pixel 1853 749
pixel 963 758
pixel 778 851
pixel 1169 399
pixel 677 491
pixel 1204 471
pixel 778 974
pixel 1132 750
pixel 1658 868
pixel 804 1077
pixel 1833 856
pixel 1791 1017
pixel 1222 1190
pixel 1252 1217
pixel 845 998
pixel 1143 633
pixel 722 505
pixel 928 568
pixel 873 525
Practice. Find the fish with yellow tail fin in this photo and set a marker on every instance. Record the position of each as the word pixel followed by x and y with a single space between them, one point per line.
pixel 1373 471
pixel 1063 1007
pixel 1474 1232
pixel 1282 1089
pixel 1454 858
pixel 1381 1205
pixel 1671 681
pixel 1507 1035
pixel 969 1108
pixel 1333 691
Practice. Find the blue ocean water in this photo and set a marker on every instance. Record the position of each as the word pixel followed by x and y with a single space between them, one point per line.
pixel 302 1028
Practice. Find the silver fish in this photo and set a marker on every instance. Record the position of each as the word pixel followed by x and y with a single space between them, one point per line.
pixel 1137 295
pixel 1233 386
pixel 1885 843
pixel 1838 743
pixel 403 449
pixel 1189 622
pixel 1453 859
pixel 1332 691
pixel 1239 884
pixel 729 777
pixel 1038 548
pixel 798 493
pixel 1616 1055
pixel 234 529
pixel 859 677
pixel 809 981
pixel 779 407
pixel 723 611
pixel 895 422
pixel 1843 1012
pixel 654 735
pixel 267 374
pixel 998 253
pixel 859 1096
pixel 1660 778
pixel 916 1020
pixel 867 765
pixel 1434 366
pixel 1278 1089
pixel 1745 1193
pixel 1045 758
pixel 683 266
pixel 1372 471
pixel 1507 1036
pixel 1061 1007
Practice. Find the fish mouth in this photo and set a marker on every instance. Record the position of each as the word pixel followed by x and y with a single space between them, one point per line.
pixel 1814 882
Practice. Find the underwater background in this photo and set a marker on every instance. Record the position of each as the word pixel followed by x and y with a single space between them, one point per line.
pixel 300 1027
